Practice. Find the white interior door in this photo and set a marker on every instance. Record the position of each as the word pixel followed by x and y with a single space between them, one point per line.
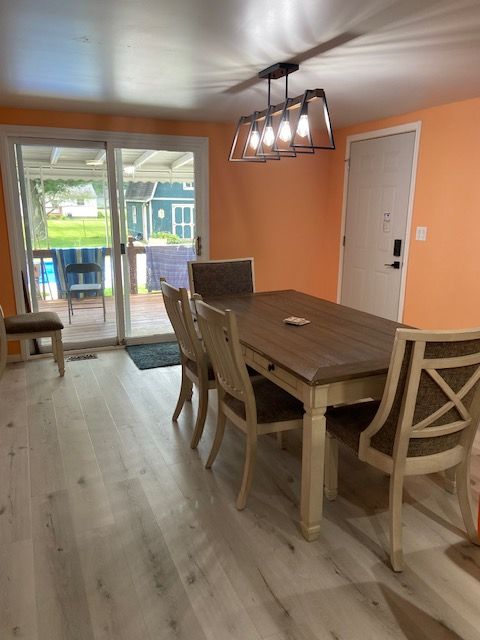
pixel 378 196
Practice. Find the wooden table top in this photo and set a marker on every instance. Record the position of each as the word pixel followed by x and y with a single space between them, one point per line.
pixel 339 343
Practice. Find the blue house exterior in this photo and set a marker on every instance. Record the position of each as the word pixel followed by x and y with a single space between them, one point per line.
pixel 154 207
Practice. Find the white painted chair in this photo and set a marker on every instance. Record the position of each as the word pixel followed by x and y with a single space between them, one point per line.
pixel 425 423
pixel 255 405
pixel 211 278
pixel 31 326
pixel 196 368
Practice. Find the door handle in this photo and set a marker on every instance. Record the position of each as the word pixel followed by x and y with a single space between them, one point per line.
pixel 394 265
pixel 198 246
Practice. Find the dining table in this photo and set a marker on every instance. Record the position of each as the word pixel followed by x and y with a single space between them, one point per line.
pixel 340 356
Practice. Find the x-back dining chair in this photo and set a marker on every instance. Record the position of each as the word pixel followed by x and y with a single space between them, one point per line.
pixel 211 278
pixel 255 405
pixel 196 367
pixel 425 423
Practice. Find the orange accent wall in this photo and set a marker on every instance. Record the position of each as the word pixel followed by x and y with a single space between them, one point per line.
pixel 287 214
pixel 443 280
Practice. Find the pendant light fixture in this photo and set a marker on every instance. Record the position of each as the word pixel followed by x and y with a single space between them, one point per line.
pixel 297 125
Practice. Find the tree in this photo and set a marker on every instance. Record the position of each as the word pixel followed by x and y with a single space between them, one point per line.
pixel 47 196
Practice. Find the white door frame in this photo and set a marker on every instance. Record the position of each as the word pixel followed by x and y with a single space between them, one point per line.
pixel 369 135
pixel 13 134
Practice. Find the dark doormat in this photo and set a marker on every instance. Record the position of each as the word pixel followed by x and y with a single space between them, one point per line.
pixel 156 354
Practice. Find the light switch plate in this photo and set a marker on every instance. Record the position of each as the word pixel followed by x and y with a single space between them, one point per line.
pixel 421 234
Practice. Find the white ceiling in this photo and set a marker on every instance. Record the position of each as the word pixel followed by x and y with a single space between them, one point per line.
pixel 197 59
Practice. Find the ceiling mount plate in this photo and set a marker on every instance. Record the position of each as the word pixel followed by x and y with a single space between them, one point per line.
pixel 278 70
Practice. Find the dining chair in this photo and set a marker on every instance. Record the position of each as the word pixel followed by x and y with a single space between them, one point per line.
pixel 255 405
pixel 425 422
pixel 196 367
pixel 31 326
pixel 211 278
pixel 75 269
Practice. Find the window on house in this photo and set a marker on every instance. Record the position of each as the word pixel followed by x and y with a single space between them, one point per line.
pixel 188 186
pixel 80 202
pixel 134 215
pixel 183 220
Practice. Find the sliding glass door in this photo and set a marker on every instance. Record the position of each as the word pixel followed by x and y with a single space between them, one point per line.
pixel 130 209
pixel 156 202
pixel 67 232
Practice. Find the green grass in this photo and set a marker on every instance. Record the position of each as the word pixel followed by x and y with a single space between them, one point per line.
pixel 75 232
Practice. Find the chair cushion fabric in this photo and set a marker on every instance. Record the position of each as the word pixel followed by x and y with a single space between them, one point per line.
pixel 347 423
pixel 42 321
pixel 192 365
pixel 222 278
pixel 273 403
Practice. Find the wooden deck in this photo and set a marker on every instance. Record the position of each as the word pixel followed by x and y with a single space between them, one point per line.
pixel 148 316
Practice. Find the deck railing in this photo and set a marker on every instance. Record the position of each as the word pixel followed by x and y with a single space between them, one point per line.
pixel 132 252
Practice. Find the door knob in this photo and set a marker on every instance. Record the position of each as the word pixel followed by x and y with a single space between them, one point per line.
pixel 394 265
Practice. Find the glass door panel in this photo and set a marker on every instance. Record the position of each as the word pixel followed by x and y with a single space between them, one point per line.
pixel 67 221
pixel 156 199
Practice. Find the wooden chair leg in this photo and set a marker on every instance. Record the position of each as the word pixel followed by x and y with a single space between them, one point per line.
pixel 466 501
pixel 54 349
pixel 217 441
pixel 185 390
pixel 282 439
pixel 59 352
pixel 103 302
pixel 331 467
pixel 396 500
pixel 250 455
pixel 70 310
pixel 451 480
pixel 202 413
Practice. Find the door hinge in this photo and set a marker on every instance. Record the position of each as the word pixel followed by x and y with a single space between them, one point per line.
pixel 343 241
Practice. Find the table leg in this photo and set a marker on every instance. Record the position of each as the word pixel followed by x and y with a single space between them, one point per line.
pixel 313 454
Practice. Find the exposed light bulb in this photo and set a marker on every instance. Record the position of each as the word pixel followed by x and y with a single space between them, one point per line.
pixel 269 136
pixel 285 131
pixel 254 139
pixel 303 128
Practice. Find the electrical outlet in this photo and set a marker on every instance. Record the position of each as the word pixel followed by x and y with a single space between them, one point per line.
pixel 421 234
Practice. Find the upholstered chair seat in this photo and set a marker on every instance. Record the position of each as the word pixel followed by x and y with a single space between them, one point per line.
pixel 273 404
pixel 32 326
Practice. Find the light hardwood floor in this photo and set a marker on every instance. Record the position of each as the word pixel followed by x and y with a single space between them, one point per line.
pixel 111 528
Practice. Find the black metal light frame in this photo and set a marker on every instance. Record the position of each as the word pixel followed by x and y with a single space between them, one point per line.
pixel 289 108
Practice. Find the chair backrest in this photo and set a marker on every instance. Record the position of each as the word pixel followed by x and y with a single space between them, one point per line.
pixel 77 255
pixel 179 312
pixel 220 333
pixel 83 267
pixel 221 277
pixel 431 401
pixel 3 343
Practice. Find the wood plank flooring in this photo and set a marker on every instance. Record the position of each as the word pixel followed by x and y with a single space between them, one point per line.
pixel 111 528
